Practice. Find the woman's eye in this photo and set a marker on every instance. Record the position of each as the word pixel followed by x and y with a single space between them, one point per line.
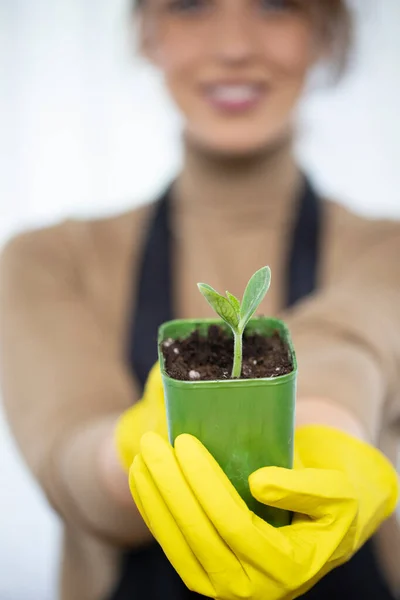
pixel 277 5
pixel 188 6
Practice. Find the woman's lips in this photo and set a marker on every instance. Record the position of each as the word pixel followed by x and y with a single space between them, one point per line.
pixel 238 97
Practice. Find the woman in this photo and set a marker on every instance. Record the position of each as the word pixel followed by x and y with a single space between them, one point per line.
pixel 80 303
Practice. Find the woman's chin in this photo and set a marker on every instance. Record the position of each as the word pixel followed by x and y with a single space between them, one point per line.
pixel 233 144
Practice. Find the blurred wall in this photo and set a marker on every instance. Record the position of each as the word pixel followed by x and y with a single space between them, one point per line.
pixel 85 129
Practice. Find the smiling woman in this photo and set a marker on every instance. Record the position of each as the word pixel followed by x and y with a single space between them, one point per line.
pixel 80 304
pixel 265 49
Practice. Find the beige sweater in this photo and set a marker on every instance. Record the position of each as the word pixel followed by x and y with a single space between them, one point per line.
pixel 65 299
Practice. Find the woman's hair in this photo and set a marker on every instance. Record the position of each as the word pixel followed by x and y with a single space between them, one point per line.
pixel 336 26
pixel 334 21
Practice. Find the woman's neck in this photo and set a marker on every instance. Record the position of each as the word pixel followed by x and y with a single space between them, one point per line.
pixel 263 185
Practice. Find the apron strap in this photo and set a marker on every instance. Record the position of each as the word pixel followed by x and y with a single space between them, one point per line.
pixel 302 268
pixel 154 295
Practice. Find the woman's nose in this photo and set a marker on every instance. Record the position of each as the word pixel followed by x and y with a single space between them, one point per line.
pixel 234 38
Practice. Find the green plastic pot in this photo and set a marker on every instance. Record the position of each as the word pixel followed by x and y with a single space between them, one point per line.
pixel 245 424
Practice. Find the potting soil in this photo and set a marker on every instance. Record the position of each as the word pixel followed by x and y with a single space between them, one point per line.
pixel 202 358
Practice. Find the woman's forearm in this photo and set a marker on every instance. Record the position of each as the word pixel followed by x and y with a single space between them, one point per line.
pixel 97 486
pixel 112 474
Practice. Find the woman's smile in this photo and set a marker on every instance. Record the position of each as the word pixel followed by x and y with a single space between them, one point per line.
pixel 234 97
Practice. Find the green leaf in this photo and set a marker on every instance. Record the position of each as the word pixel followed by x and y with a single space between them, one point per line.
pixel 221 305
pixel 254 294
pixel 234 301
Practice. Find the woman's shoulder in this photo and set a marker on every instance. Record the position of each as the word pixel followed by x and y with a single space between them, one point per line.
pixel 352 229
pixel 350 235
pixel 343 218
pixel 76 241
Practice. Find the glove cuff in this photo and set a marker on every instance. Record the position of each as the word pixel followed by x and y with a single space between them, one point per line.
pixel 126 436
pixel 328 447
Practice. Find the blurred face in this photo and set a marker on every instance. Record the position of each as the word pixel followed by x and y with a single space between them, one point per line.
pixel 235 68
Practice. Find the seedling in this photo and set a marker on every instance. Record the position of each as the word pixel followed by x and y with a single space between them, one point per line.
pixel 237 314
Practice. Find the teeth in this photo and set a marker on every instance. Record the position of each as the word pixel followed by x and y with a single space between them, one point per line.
pixel 234 93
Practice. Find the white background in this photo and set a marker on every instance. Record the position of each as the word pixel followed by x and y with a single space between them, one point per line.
pixel 85 129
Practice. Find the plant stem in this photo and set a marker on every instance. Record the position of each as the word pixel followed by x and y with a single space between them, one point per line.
pixel 237 356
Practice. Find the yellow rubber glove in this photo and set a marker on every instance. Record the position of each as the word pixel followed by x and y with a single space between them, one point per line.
pixel 146 415
pixel 224 551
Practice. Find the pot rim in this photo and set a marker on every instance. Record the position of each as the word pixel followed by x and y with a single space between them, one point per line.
pixel 259 382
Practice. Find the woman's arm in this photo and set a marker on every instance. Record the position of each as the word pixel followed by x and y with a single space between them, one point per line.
pixel 323 411
pixel 64 385
pixel 347 339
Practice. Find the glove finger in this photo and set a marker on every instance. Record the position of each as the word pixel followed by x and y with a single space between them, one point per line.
pixel 154 400
pixel 318 493
pixel 324 526
pixel 325 504
pixel 200 534
pixel 248 536
pixel 162 524
pixel 137 499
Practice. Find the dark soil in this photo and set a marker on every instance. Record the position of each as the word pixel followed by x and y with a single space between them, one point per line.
pixel 201 358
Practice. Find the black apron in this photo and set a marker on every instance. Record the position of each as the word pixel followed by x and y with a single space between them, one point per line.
pixel 147 574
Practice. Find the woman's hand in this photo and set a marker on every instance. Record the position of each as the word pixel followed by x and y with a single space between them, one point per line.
pixel 122 441
pixel 340 494
pixel 146 415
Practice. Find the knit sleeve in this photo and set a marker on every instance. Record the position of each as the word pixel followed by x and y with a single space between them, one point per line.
pixel 63 384
pixel 347 336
